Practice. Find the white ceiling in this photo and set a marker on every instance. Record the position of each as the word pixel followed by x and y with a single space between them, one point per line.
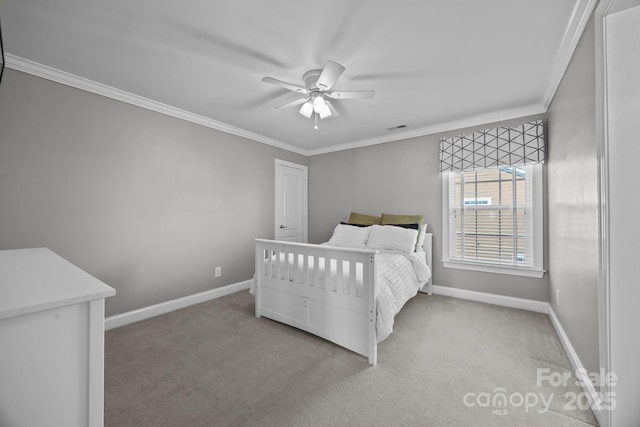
pixel 435 65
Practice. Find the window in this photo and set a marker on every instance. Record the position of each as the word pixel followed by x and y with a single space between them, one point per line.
pixel 493 220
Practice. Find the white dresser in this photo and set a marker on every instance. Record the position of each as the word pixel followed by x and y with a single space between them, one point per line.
pixel 51 341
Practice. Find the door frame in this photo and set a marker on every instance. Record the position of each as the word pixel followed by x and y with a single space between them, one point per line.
pixel 605 308
pixel 277 195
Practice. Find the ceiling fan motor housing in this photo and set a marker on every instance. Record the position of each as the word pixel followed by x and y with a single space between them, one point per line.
pixel 311 80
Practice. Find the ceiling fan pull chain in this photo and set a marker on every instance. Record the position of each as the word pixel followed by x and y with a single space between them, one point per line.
pixel 315 126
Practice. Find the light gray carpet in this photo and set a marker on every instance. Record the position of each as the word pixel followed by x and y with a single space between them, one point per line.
pixel 215 364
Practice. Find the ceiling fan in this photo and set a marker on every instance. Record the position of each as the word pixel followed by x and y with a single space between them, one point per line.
pixel 317 87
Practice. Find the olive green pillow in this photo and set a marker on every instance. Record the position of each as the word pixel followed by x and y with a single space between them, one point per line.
pixel 362 219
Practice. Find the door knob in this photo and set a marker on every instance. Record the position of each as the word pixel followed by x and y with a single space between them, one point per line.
pixel 282 227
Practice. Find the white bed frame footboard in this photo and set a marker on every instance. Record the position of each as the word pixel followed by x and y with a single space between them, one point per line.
pixel 327 291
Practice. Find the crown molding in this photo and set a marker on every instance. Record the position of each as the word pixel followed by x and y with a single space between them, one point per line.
pixel 479 120
pixel 49 73
pixel 579 17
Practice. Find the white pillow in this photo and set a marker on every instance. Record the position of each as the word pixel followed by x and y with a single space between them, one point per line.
pixel 349 236
pixel 392 238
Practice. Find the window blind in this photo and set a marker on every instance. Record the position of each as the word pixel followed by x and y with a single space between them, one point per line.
pixel 490 218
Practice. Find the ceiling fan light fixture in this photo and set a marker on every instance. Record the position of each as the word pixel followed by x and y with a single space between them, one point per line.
pixel 318 84
pixel 320 107
pixel 306 109
pixel 318 103
pixel 324 111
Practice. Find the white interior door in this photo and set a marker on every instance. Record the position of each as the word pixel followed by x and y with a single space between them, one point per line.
pixel 291 202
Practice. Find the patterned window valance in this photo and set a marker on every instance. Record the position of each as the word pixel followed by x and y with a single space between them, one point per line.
pixel 503 146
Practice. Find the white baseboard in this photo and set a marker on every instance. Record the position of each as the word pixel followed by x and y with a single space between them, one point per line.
pixel 576 364
pixel 513 302
pixel 176 304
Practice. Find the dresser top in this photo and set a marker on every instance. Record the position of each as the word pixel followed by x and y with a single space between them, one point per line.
pixel 38 279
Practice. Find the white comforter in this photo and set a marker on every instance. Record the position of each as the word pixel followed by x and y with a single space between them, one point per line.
pixel 399 279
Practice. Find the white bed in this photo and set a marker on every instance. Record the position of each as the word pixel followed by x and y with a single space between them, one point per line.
pixel 346 295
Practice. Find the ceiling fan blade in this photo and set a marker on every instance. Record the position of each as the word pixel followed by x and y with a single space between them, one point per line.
pixel 355 94
pixel 329 75
pixel 292 103
pixel 284 85
pixel 334 112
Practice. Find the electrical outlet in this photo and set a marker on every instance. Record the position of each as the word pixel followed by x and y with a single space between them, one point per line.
pixel 558 296
pixel 218 272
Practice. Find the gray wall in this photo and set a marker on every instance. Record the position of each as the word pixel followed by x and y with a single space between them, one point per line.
pixel 572 202
pixel 147 203
pixel 401 177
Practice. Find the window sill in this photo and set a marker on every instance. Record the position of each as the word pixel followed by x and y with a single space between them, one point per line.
pixel 499 269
